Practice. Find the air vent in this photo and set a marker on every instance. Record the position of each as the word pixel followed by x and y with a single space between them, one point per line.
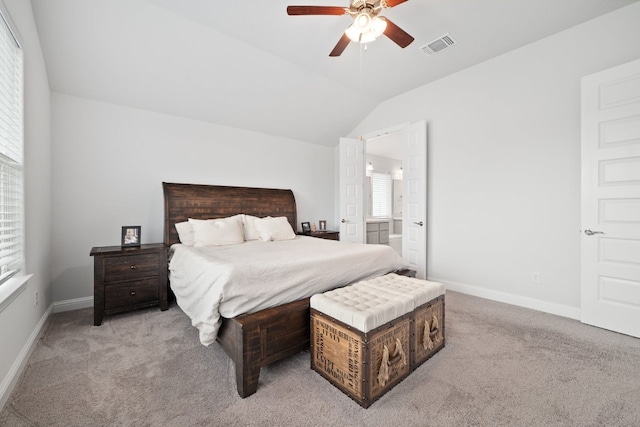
pixel 438 44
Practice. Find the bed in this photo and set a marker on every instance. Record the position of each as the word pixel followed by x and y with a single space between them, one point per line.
pixel 261 336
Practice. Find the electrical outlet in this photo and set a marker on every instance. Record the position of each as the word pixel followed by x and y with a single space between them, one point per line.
pixel 535 277
pixel 35 299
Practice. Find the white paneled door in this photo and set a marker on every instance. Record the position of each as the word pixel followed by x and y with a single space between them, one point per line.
pixel 610 281
pixel 414 198
pixel 352 190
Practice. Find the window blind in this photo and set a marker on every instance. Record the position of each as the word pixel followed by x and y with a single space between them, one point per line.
pixel 380 194
pixel 11 153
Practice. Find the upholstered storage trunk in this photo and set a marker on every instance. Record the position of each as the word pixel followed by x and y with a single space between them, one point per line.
pixel 362 335
pixel 427 331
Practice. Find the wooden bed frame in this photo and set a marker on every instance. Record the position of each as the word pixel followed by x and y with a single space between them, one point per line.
pixel 257 339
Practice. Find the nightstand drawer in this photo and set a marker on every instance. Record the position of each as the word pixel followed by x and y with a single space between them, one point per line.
pixel 130 293
pixel 328 235
pixel 130 267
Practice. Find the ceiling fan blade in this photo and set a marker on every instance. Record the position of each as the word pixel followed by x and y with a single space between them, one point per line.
pixel 397 34
pixel 315 10
pixel 393 3
pixel 341 46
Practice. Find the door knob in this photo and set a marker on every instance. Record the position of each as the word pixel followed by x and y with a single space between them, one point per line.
pixel 419 223
pixel 591 232
pixel 343 220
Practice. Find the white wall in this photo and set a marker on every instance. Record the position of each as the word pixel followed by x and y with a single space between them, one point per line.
pixel 20 321
pixel 504 163
pixel 110 162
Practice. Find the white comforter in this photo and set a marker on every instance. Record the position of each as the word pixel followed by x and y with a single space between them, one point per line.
pixel 244 278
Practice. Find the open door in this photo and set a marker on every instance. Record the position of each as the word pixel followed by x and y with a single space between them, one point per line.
pixel 414 188
pixel 352 190
pixel 414 198
pixel 610 281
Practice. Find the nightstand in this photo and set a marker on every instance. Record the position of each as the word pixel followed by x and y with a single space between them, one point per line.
pixel 127 278
pixel 329 235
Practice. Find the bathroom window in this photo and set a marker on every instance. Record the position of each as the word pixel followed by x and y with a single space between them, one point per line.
pixel 380 194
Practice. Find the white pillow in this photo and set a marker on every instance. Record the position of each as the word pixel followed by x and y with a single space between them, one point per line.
pixel 217 232
pixel 185 233
pixel 249 225
pixel 274 229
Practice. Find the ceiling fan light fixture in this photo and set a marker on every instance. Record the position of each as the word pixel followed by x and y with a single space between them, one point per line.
pixel 356 36
pixel 367 37
pixel 353 33
pixel 378 25
pixel 374 29
pixel 362 21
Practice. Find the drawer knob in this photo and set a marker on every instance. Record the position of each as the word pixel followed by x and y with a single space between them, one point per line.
pixel 133 267
pixel 133 293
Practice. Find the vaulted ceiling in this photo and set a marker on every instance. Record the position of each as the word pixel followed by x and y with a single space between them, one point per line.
pixel 247 64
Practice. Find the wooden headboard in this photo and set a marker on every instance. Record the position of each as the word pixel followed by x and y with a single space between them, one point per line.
pixel 184 201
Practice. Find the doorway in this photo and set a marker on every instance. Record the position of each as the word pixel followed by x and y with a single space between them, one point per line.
pixel 352 173
pixel 383 189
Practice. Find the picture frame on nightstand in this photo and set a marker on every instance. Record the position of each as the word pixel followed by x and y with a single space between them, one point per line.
pixel 131 235
pixel 322 224
pixel 306 228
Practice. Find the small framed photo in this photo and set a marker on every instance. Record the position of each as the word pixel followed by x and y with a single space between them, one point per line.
pixel 323 224
pixel 306 228
pixel 131 235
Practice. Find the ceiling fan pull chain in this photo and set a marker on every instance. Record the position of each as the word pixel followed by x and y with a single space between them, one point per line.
pixel 361 79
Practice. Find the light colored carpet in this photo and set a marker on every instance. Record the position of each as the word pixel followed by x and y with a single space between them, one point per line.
pixel 502 365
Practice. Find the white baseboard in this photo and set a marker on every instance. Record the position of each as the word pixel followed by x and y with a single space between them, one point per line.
pixel 72 304
pixel 513 299
pixel 19 364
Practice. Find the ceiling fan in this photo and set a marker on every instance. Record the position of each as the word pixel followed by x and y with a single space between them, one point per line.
pixel 367 22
